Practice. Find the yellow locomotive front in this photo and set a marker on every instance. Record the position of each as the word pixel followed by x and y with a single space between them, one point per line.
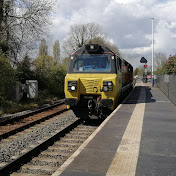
pixel 92 80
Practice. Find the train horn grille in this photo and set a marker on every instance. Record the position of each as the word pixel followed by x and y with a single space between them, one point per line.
pixel 90 86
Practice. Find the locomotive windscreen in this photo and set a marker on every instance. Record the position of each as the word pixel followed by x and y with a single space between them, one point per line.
pixel 92 63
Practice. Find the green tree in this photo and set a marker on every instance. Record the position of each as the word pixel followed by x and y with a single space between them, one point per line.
pixel 3 47
pixel 6 77
pixel 56 50
pixel 136 71
pixel 1 18
pixel 169 67
pixel 43 63
pixel 65 63
pixel 50 75
pixel 23 71
pixel 43 48
pixel 55 81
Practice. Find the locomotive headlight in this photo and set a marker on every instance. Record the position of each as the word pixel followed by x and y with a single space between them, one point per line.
pixel 110 83
pixel 72 85
pixel 73 88
pixel 105 89
pixel 107 86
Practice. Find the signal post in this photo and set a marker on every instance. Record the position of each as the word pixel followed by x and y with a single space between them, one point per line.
pixel 145 73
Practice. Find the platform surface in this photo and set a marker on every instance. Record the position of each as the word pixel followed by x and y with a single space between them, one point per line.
pixel 137 139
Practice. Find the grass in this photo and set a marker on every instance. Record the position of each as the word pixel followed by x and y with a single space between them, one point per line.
pixel 10 107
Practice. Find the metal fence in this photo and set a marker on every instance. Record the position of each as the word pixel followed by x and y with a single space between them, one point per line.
pixel 28 90
pixel 167 84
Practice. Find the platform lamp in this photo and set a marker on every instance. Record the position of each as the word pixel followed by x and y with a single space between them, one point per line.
pixel 152 49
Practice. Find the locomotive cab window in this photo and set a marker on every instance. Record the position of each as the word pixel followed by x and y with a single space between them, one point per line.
pixel 92 63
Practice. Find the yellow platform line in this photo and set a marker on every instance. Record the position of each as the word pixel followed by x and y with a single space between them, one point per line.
pixel 125 160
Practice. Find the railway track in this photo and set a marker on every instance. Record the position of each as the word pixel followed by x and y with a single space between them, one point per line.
pixel 10 126
pixel 47 154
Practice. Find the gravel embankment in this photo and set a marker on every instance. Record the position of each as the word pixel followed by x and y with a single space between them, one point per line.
pixel 15 146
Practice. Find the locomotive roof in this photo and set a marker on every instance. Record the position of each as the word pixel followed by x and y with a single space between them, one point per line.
pixel 97 49
pixel 93 49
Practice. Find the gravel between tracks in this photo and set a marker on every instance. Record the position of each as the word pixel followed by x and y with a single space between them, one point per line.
pixel 15 146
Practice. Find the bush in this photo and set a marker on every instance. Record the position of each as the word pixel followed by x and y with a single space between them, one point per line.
pixel 23 71
pixel 50 76
pixel 6 77
pixel 1 112
pixel 11 107
pixel 56 81
pixel 169 67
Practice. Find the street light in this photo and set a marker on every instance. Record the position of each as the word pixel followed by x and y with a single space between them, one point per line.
pixel 152 49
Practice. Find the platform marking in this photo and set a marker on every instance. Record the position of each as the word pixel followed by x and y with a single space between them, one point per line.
pixel 85 143
pixel 125 160
pixel 162 101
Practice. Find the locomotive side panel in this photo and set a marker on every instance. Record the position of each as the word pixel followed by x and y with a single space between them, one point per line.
pixel 127 75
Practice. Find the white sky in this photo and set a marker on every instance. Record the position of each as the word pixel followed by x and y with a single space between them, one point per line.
pixel 126 22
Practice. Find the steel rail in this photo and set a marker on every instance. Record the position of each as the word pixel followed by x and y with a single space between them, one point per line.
pixel 21 128
pixel 28 155
pixel 5 120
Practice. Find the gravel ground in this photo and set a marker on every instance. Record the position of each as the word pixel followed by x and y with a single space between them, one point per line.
pixel 14 147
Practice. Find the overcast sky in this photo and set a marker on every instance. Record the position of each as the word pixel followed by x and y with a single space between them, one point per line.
pixel 126 22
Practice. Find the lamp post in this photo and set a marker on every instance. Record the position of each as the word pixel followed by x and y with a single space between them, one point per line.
pixel 152 49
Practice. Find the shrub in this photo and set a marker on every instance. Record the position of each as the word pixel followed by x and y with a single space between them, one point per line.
pixel 23 71
pixel 1 112
pixel 50 76
pixel 6 77
pixel 11 107
pixel 169 67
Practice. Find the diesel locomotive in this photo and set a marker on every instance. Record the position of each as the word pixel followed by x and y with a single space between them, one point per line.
pixel 96 78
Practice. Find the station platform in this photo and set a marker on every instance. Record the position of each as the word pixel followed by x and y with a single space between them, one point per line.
pixel 137 139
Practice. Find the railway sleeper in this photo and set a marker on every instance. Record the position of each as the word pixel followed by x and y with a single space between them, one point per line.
pixel 84 130
pixel 3 164
pixel 85 127
pixel 26 174
pixel 61 149
pixel 74 136
pixel 56 156
pixel 73 140
pixel 40 170
pixel 46 162
pixel 66 144
pixel 81 132
pixel 53 153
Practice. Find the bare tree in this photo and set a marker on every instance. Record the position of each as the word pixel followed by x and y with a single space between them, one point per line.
pixel 102 40
pixel 159 59
pixel 24 22
pixel 79 35
pixel 56 50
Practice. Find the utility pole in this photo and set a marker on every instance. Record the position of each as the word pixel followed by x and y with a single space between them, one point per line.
pixel 152 49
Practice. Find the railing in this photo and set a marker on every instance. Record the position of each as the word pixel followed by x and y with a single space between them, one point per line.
pixel 167 84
